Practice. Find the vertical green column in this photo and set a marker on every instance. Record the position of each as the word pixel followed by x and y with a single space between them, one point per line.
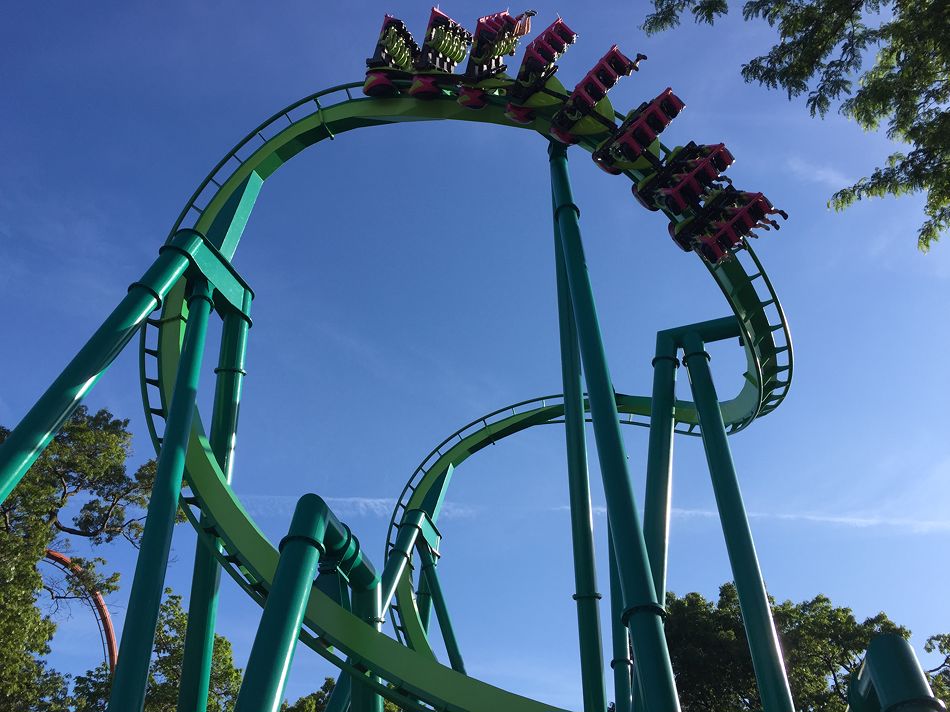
pixel 31 436
pixel 138 631
pixel 622 664
pixel 891 678
pixel 643 615
pixel 424 601
pixel 203 602
pixel 273 650
pixel 753 599
pixel 582 518
pixel 367 605
pixel 409 529
pixel 656 509
pixel 441 610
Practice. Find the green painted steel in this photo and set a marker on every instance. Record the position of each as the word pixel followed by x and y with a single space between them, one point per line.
pixel 753 599
pixel 367 605
pixel 203 601
pixel 659 486
pixel 268 666
pixel 744 285
pixel 28 439
pixel 891 678
pixel 138 633
pixel 582 517
pixel 642 612
pixel 441 609
pixel 401 555
pixel 622 663
pixel 220 209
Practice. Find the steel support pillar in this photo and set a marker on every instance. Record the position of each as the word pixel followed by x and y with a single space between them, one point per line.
pixel 656 509
pixel 367 605
pixel 643 614
pixel 138 632
pixel 203 601
pixel 31 436
pixel 622 663
pixel 891 678
pixel 409 530
pixel 273 650
pixel 582 518
pixel 753 599
pixel 424 601
pixel 441 610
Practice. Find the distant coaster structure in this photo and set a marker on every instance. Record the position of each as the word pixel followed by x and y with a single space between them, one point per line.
pixel 319 586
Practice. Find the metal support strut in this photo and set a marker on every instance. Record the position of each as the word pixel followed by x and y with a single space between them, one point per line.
pixel 753 599
pixel 138 633
pixel 642 613
pixel 582 534
pixel 203 602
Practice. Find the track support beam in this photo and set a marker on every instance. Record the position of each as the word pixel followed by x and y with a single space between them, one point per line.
pixel 206 577
pixel 753 599
pixel 441 610
pixel 138 632
pixel 272 653
pixel 582 518
pixel 31 436
pixel 642 613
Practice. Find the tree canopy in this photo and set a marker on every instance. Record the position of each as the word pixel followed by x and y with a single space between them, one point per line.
pixel 822 644
pixel 83 471
pixel 91 691
pixel 882 62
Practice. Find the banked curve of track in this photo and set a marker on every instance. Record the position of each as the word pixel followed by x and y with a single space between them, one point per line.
pixel 418 680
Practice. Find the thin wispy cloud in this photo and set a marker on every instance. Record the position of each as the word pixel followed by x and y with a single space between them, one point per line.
pixel 821 174
pixel 856 521
pixel 274 505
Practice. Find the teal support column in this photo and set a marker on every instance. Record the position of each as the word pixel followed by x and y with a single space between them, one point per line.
pixel 643 614
pixel 424 601
pixel 367 605
pixel 656 509
pixel 891 678
pixel 31 436
pixel 138 632
pixel 409 530
pixel 582 517
pixel 203 602
pixel 441 610
pixel 622 663
pixel 331 583
pixel 753 599
pixel 340 697
pixel 262 689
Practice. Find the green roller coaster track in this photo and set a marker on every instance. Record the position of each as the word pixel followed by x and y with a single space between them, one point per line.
pixel 193 275
pixel 246 553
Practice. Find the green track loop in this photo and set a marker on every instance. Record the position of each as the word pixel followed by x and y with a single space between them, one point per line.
pixel 220 209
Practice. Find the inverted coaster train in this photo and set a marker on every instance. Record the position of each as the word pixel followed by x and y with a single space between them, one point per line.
pixel 318 586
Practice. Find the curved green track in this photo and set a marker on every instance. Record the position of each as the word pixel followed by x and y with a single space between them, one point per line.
pixel 219 208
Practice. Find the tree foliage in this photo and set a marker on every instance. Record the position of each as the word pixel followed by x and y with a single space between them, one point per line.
pixel 940 675
pixel 822 644
pixel 825 49
pixel 83 471
pixel 91 691
pixel 317 701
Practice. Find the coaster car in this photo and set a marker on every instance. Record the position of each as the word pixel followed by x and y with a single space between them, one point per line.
pixel 446 44
pixel 395 55
pixel 537 72
pixel 637 133
pixel 585 100
pixel 727 217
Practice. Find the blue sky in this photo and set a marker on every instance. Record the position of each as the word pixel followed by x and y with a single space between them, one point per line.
pixel 405 287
